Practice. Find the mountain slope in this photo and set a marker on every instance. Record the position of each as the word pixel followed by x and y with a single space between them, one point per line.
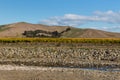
pixel 17 30
pixel 90 33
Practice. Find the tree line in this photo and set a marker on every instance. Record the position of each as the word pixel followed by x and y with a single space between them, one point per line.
pixel 41 33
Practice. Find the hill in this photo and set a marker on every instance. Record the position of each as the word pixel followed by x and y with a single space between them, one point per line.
pixel 90 33
pixel 23 29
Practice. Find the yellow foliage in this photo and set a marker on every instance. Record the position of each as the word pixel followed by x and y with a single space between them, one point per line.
pixel 62 40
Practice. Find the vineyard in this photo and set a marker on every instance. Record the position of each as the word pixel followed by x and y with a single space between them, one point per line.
pixel 61 40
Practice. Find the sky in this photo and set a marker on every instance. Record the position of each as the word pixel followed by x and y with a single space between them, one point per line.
pixel 96 14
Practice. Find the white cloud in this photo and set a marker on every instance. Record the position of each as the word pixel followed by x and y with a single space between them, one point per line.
pixel 108 28
pixel 109 16
pixel 112 28
pixel 77 20
pixel 67 19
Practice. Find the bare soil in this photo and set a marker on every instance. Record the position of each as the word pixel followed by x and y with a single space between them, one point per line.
pixel 33 54
pixel 9 72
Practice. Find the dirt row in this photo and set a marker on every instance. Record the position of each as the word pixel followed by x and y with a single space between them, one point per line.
pixel 60 56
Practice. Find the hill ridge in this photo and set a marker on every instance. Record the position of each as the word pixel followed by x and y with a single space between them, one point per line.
pixel 17 30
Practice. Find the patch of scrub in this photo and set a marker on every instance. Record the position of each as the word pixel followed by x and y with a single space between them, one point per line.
pixel 3 28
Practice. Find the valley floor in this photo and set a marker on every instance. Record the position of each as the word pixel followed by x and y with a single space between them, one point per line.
pixel 55 61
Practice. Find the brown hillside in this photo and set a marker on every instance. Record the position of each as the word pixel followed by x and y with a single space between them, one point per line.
pixel 92 33
pixel 16 30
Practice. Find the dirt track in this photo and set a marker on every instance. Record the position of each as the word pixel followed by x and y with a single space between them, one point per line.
pixel 9 72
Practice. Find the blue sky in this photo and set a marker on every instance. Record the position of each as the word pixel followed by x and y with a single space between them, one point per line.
pixel 97 14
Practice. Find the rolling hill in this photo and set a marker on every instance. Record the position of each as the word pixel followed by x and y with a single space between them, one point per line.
pixel 21 29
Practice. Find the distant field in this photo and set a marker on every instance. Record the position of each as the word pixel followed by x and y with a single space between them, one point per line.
pixel 62 40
